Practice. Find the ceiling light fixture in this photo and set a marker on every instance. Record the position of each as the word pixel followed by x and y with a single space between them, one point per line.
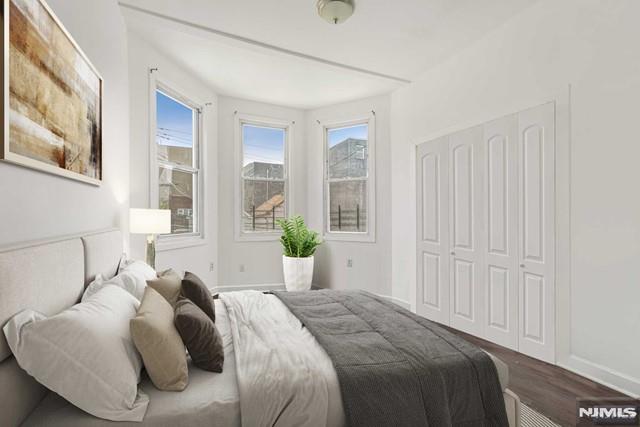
pixel 335 11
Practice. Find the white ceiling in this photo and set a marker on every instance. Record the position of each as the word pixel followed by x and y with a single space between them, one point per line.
pixel 400 38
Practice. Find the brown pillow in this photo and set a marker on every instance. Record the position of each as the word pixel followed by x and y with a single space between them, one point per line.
pixel 168 285
pixel 200 335
pixel 199 294
pixel 159 343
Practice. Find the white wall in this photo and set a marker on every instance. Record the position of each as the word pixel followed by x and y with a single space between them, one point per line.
pixel 593 46
pixel 371 268
pixel 36 205
pixel 142 57
pixel 262 261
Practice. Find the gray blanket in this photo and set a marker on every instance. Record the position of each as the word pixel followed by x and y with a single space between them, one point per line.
pixel 396 368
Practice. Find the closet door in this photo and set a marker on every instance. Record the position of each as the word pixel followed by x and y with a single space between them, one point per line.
pixel 536 146
pixel 500 228
pixel 432 228
pixel 465 238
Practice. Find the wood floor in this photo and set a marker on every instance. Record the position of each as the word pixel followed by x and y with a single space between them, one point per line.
pixel 548 389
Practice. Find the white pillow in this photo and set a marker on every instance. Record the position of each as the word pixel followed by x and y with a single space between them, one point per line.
pixel 138 267
pixel 131 281
pixel 85 354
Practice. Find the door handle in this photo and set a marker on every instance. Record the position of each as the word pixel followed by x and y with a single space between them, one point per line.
pixel 521 265
pixel 453 253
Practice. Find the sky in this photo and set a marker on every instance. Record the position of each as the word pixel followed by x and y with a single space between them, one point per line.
pixel 338 135
pixel 174 122
pixel 262 144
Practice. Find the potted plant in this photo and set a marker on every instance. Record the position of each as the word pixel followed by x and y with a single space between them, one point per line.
pixel 299 244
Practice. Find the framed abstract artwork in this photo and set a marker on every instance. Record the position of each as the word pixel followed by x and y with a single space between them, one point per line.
pixel 52 96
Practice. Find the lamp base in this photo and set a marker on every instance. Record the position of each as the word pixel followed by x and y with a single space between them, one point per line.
pixel 151 250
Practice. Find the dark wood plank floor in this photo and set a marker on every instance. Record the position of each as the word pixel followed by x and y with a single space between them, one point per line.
pixel 547 388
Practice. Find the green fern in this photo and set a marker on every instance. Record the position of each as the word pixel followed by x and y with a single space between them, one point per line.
pixel 297 240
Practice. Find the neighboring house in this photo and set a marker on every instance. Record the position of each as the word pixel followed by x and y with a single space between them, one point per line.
pixel 348 159
pixel 264 200
pixel 175 193
pixel 348 199
pixel 263 170
pixel 175 154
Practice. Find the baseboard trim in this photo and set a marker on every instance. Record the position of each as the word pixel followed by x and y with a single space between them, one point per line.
pixel 397 301
pixel 257 287
pixel 603 375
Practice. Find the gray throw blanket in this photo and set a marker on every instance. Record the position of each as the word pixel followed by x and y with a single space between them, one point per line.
pixel 396 368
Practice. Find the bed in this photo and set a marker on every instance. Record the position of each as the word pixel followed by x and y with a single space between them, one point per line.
pixel 51 276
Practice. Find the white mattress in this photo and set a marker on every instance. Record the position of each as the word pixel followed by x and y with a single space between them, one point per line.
pixel 211 399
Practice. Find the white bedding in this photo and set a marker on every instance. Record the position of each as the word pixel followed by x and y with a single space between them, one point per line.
pixel 284 377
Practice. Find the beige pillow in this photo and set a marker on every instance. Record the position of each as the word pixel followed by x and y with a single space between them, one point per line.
pixel 168 284
pixel 159 343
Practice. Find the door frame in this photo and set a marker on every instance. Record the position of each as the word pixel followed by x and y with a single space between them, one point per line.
pixel 562 99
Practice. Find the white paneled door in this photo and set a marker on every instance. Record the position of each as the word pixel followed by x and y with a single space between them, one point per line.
pixel 536 143
pixel 486 231
pixel 465 222
pixel 433 233
pixel 501 239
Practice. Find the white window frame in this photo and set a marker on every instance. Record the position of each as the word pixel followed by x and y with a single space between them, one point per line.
pixel 351 236
pixel 286 125
pixel 183 240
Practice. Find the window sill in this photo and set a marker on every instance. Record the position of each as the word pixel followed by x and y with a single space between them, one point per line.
pixel 177 242
pixel 259 237
pixel 349 237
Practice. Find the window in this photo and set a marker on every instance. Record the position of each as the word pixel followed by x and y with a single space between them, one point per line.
pixel 349 181
pixel 263 177
pixel 177 158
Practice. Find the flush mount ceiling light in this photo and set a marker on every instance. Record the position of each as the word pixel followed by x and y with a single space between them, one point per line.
pixel 335 11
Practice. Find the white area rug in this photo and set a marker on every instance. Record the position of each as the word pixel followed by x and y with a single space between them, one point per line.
pixel 531 418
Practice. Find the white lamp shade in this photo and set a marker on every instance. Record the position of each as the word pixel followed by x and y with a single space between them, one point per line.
pixel 335 11
pixel 150 221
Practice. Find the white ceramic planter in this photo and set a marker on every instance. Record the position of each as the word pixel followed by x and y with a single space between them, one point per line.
pixel 298 273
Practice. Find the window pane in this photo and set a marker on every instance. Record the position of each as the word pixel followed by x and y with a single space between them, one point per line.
pixel 348 206
pixel 348 151
pixel 263 202
pixel 174 132
pixel 263 150
pixel 177 194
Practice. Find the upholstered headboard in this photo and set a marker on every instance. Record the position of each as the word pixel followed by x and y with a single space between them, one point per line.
pixel 47 277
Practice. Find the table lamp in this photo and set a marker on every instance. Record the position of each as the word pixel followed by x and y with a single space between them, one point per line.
pixel 150 222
